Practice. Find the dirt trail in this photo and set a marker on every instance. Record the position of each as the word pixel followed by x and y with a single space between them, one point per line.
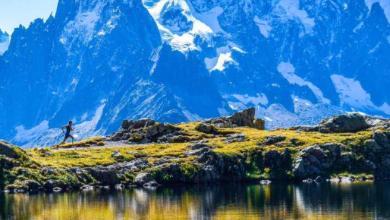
pixel 107 144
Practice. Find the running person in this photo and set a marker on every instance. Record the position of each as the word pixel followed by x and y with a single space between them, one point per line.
pixel 68 129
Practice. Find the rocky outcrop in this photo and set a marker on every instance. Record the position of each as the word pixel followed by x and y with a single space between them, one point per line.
pixel 317 160
pixel 344 123
pixel 348 123
pixel 207 128
pixel 370 156
pixel 245 118
pixel 149 131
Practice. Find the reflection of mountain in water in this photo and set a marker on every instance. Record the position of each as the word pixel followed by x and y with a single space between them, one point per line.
pixel 274 201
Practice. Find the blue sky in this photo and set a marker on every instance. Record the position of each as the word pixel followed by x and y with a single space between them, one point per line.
pixel 16 12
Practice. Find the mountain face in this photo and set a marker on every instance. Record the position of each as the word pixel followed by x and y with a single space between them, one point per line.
pixel 98 62
pixel 4 42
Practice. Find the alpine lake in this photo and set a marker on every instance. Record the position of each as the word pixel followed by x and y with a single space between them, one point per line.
pixel 365 200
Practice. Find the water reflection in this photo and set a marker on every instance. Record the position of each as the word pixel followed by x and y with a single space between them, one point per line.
pixel 276 201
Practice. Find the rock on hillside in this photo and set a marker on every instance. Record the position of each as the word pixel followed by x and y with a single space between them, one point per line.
pixel 245 118
pixel 351 122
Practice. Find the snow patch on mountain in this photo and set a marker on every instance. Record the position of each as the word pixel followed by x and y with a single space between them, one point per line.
pixel 89 127
pixel 351 93
pixel 4 42
pixel 204 24
pixel 259 99
pixel 24 135
pixel 385 4
pixel 288 72
pixel 222 59
pixel 305 113
pixel 210 18
pixel 109 25
pixel 264 26
pixel 4 47
pixel 292 11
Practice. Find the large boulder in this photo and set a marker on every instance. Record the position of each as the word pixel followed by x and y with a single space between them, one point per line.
pixel 244 118
pixel 219 167
pixel 137 124
pixel 317 160
pixel 143 178
pixel 352 122
pixel 105 175
pixel 148 131
pixel 206 128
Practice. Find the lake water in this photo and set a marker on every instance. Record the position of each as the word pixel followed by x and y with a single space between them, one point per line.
pixel 275 201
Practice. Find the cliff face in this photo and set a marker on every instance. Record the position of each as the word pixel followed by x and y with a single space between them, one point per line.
pixel 147 154
pixel 95 62
pixel 98 61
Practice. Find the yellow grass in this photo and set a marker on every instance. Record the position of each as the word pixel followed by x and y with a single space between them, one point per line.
pixel 102 155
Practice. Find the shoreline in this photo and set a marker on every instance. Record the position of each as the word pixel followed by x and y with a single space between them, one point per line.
pixel 231 149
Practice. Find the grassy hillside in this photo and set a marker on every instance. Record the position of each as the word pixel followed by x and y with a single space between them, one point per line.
pixel 93 151
pixel 198 152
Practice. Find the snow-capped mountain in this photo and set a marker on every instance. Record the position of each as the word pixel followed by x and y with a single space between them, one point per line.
pixel 100 61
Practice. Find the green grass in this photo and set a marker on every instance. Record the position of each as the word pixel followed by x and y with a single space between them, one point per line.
pixel 63 157
pixel 93 141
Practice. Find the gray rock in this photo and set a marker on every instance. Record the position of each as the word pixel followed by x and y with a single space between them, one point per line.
pixel 270 140
pixel 197 149
pixel 206 128
pixel 352 122
pixel 235 138
pixel 137 124
pixel 104 175
pixel 317 160
pixel 244 118
pixel 148 131
pixel 143 178
pixel 197 152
